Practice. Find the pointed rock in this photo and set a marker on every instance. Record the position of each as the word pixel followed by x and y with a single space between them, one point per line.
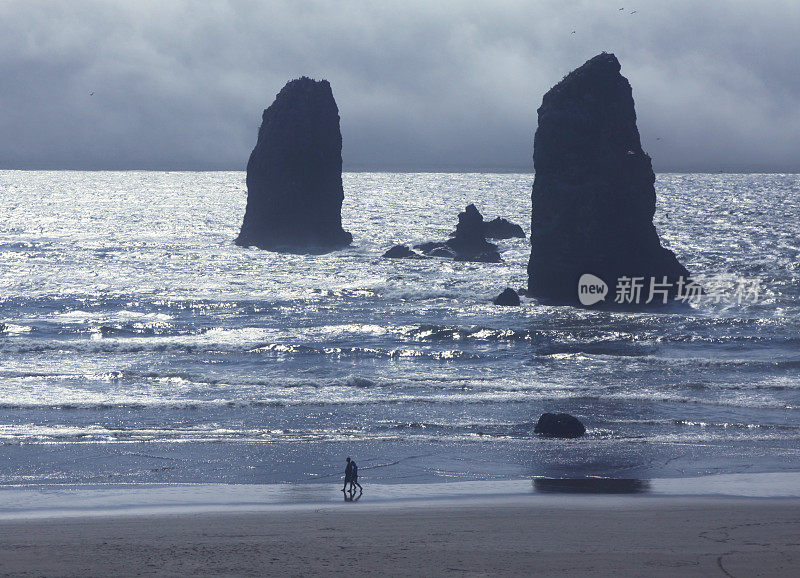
pixel 294 175
pixel 470 235
pixel 593 197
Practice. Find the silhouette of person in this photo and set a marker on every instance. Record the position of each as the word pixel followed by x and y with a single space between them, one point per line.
pixel 348 474
pixel 354 477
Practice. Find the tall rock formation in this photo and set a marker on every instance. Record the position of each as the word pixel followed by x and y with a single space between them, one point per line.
pixel 294 175
pixel 593 197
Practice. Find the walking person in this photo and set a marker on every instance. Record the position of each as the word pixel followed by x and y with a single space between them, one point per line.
pixel 348 475
pixel 354 477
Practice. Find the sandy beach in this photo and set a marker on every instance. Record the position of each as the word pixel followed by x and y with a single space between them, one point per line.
pixel 513 537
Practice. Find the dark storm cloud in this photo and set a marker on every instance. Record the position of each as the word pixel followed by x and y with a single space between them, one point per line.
pixel 419 84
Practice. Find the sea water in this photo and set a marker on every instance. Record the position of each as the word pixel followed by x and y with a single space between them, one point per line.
pixel 140 345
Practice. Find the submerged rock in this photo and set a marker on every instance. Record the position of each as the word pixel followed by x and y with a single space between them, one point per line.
pixel 468 243
pixel 294 175
pixel 560 425
pixel 508 297
pixel 593 196
pixel 499 228
pixel 401 252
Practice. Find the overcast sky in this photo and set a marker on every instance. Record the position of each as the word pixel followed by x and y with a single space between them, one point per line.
pixel 419 84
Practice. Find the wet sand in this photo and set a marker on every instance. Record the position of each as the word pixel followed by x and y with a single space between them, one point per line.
pixel 513 537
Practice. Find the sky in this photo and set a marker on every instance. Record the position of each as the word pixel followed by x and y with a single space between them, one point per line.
pixel 420 85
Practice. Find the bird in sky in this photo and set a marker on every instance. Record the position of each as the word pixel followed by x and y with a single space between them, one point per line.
pixel 621 9
pixel 634 12
pixel 91 93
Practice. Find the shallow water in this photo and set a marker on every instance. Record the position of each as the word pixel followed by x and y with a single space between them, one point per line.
pixel 140 345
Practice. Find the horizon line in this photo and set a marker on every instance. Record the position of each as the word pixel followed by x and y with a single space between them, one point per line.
pixel 447 169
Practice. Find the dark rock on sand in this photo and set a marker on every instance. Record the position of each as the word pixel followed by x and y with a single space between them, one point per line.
pixel 593 195
pixel 499 228
pixel 508 297
pixel 294 175
pixel 560 425
pixel 401 252
pixel 468 243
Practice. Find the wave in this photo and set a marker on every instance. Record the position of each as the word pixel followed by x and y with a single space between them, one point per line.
pixel 389 432
pixel 93 434
pixel 105 316
pixel 432 332
pixel 370 352
pixel 694 423
pixel 14 329
pixel 645 358
pixel 24 246
pixel 336 395
pixel 609 348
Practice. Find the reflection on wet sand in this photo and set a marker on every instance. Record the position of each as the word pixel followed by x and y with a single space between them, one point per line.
pixel 352 496
pixel 591 486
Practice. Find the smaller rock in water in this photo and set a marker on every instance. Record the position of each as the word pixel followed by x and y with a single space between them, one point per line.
pixel 469 235
pixel 468 243
pixel 499 228
pixel 561 425
pixel 508 297
pixel 401 252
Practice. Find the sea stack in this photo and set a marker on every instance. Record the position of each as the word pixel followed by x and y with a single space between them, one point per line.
pixel 593 196
pixel 294 175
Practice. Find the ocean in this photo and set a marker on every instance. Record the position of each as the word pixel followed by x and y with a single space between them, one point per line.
pixel 139 345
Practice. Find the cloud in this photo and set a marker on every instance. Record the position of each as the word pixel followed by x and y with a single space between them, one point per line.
pixel 420 85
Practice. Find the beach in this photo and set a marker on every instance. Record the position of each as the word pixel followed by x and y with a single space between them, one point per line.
pixel 510 536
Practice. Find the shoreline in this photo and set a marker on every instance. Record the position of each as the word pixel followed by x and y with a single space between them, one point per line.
pixel 19 503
